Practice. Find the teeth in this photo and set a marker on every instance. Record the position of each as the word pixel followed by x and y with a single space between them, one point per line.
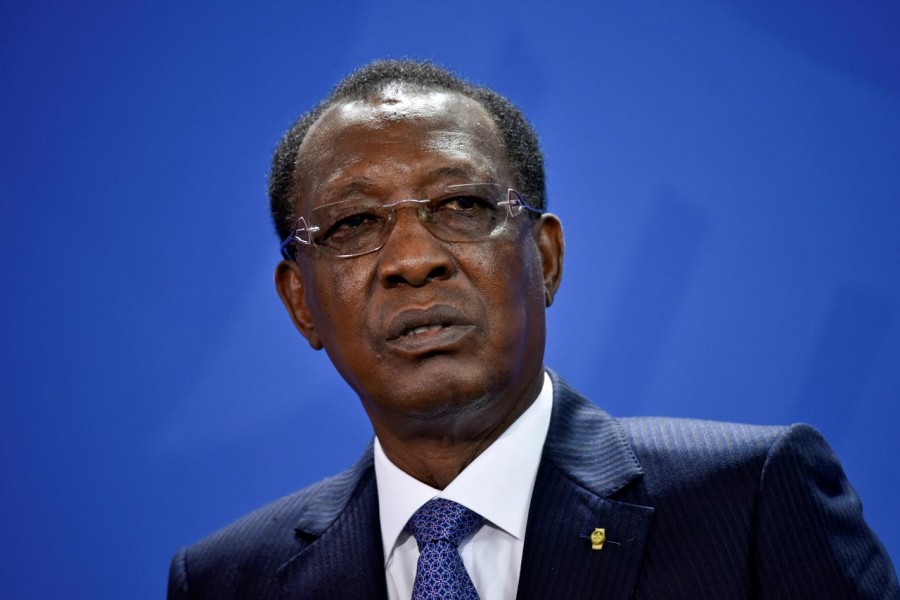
pixel 419 330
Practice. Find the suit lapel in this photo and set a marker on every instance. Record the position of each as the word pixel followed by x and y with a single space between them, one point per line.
pixel 344 559
pixel 585 461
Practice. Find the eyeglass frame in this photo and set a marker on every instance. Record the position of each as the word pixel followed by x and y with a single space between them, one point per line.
pixel 514 203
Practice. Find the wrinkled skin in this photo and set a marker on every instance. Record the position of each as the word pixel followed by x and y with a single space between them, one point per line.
pixel 436 399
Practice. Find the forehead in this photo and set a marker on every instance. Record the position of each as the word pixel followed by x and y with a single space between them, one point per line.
pixel 399 141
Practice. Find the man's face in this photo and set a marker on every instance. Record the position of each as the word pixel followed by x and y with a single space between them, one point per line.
pixel 424 330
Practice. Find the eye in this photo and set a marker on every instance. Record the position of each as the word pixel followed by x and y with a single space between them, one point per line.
pixel 465 217
pixel 463 204
pixel 354 221
pixel 351 225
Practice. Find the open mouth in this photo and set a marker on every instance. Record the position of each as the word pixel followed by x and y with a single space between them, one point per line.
pixel 423 329
pixel 432 328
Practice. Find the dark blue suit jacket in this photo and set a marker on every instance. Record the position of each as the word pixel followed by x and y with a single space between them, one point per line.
pixel 691 509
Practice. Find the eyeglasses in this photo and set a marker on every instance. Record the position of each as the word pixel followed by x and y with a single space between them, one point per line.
pixel 467 212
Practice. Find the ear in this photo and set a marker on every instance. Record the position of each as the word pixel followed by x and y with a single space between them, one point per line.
pixel 551 245
pixel 289 283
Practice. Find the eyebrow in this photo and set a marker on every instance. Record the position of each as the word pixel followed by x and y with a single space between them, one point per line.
pixel 362 186
pixel 365 186
pixel 451 172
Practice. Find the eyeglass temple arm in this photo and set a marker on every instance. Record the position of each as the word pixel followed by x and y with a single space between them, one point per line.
pixel 300 227
pixel 514 203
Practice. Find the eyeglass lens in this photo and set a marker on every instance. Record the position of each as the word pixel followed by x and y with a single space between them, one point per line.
pixel 462 213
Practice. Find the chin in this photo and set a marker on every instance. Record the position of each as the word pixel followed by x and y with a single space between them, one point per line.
pixel 433 392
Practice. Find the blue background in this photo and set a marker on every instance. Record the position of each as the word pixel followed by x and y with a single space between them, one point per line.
pixel 727 174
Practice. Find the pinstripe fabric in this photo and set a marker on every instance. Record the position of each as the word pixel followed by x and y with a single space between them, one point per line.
pixel 691 509
pixel 321 542
pixel 752 512
pixel 572 497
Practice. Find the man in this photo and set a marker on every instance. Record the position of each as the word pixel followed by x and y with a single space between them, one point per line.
pixel 418 255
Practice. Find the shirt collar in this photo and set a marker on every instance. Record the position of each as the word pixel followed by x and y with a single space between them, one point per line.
pixel 497 485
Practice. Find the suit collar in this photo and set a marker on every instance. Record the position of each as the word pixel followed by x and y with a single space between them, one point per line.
pixel 327 499
pixel 343 540
pixel 587 444
pixel 586 461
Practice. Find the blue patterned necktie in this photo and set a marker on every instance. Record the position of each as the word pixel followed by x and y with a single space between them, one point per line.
pixel 439 526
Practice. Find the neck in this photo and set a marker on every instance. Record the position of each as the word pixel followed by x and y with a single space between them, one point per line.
pixel 436 450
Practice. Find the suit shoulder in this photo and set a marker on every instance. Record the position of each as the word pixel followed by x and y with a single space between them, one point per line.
pixel 317 504
pixel 681 450
pixel 672 435
pixel 265 539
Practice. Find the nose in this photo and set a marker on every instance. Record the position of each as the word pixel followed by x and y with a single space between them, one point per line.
pixel 412 255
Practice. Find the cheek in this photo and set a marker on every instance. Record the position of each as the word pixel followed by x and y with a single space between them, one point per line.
pixel 339 296
pixel 511 284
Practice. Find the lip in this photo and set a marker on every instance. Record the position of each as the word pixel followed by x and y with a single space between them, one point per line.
pixel 430 329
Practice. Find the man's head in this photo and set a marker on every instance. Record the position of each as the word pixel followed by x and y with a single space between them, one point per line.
pixel 519 138
pixel 434 335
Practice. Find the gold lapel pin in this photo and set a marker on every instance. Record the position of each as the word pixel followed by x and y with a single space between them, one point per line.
pixel 598 537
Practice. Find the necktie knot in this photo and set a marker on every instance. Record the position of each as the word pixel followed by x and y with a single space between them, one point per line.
pixel 440 519
pixel 439 526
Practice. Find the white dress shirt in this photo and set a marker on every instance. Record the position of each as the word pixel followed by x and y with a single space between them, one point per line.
pixel 497 485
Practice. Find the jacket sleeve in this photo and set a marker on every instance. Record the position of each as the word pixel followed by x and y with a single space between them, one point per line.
pixel 178 583
pixel 811 540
